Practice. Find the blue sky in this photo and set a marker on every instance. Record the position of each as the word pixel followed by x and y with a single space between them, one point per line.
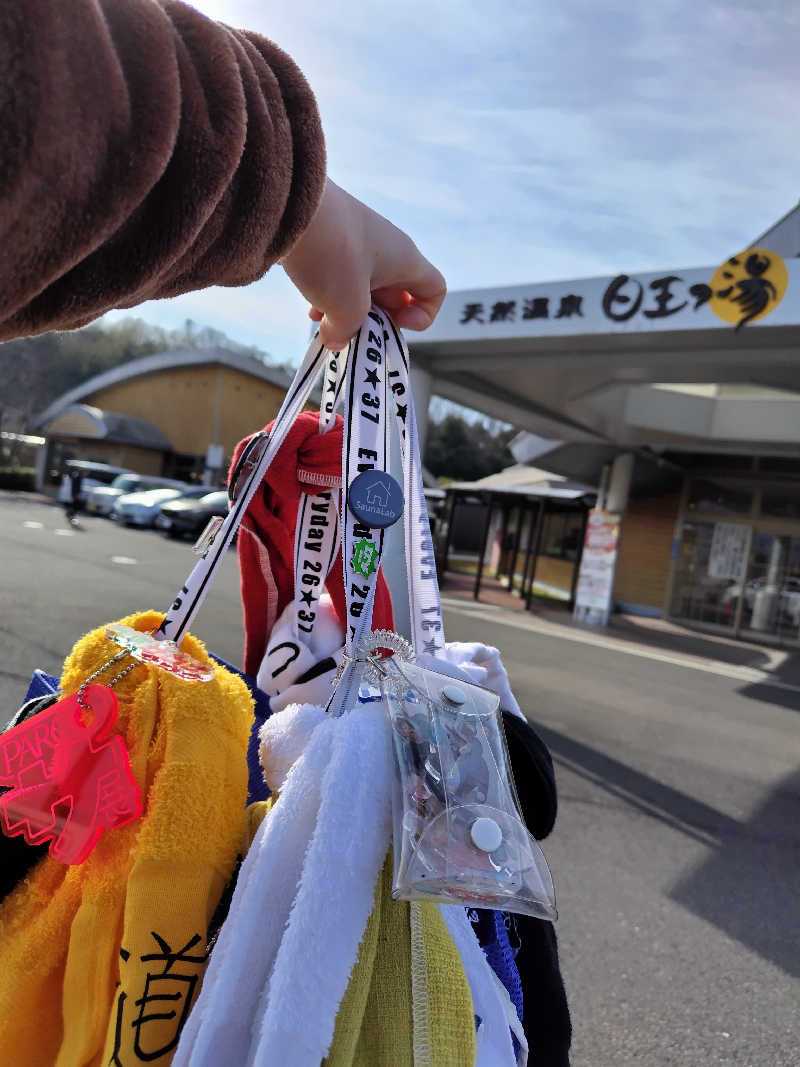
pixel 522 141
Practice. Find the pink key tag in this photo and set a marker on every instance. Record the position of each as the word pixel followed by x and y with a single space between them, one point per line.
pixel 162 654
pixel 68 781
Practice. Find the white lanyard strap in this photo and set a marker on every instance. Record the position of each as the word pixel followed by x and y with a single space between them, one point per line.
pixel 187 603
pixel 316 539
pixel 427 626
pixel 332 385
pixel 378 367
pixel 366 432
pixel 365 448
pixel 315 547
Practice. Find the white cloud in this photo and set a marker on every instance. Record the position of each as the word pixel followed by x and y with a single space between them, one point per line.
pixel 519 141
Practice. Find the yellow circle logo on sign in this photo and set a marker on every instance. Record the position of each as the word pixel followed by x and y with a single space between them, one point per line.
pixel 748 286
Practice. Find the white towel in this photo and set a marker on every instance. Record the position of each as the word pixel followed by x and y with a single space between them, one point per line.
pixel 291 653
pixel 477 663
pixel 284 956
pixel 494 1047
pixel 219 1028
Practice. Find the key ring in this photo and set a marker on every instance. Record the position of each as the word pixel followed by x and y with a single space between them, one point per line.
pixel 101 670
pixel 369 656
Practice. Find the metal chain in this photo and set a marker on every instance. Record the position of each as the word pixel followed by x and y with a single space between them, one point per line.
pixel 101 670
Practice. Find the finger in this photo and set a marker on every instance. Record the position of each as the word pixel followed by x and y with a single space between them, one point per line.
pixel 337 327
pixel 412 318
pixel 340 310
pixel 415 312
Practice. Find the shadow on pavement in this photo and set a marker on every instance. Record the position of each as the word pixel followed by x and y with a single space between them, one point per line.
pixel 748 885
pixel 682 812
pixel 772 694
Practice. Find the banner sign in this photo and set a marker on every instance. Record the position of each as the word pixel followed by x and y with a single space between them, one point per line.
pixel 596 577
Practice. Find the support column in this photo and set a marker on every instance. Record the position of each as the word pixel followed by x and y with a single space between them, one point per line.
pixel 594 595
pixel 486 527
pixel 451 514
pixel 42 463
pixel 421 382
pixel 533 552
pixel 619 483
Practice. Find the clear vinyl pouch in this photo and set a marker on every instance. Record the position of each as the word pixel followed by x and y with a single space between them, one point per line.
pixel 458 833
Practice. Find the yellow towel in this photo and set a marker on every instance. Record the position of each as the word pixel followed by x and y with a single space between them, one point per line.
pixel 375 1021
pixel 375 1024
pixel 99 963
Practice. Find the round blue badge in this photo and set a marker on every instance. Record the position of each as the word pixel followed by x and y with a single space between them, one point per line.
pixel 376 499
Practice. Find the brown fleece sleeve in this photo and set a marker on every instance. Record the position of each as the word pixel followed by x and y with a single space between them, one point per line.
pixel 145 151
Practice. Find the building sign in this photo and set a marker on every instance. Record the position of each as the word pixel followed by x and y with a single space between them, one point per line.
pixel 596 577
pixel 728 550
pixel 747 288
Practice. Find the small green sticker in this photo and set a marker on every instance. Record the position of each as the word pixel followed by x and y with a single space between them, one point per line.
pixel 365 553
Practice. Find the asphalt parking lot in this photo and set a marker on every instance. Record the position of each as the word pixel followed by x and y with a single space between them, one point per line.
pixel 676 854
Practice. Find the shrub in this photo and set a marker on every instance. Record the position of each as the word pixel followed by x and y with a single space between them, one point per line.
pixel 20 479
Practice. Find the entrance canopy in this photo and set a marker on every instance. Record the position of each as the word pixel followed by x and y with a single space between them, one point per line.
pixel 703 359
pixel 86 421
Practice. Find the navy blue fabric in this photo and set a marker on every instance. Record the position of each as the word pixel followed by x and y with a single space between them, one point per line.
pixel 497 933
pixel 257 788
pixel 41 685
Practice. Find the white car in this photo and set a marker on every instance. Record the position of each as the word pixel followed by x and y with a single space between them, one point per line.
pixel 141 509
pixel 100 501
pixel 93 476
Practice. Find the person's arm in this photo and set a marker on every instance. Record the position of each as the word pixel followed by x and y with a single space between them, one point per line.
pixel 146 151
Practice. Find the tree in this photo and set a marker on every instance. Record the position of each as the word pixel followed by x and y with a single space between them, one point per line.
pixel 35 371
pixel 466 451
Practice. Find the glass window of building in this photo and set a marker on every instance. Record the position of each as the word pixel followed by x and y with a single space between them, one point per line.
pixel 711 496
pixel 781 502
pixel 708 569
pixel 561 535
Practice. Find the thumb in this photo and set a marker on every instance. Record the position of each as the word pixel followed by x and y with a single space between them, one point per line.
pixel 343 319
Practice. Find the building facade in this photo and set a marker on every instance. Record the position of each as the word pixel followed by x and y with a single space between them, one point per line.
pixel 677 394
pixel 177 414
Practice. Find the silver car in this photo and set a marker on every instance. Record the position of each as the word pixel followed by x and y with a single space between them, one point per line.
pixel 141 509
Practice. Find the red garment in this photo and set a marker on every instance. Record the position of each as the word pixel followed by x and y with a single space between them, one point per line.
pixel 266 535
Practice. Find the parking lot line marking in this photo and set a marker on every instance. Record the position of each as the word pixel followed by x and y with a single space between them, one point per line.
pixel 455 602
pixel 725 670
pixel 127 560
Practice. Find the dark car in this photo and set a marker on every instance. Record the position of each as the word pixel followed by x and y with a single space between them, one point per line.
pixel 188 518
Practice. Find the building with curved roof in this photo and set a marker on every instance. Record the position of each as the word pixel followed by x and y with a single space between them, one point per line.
pixel 178 414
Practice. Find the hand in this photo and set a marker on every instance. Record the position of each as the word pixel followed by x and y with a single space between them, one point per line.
pixel 349 257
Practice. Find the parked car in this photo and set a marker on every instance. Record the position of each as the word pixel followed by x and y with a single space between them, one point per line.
pixel 188 518
pixel 93 475
pixel 100 501
pixel 787 594
pixel 141 509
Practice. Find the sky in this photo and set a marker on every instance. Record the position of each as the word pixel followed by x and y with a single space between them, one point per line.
pixel 521 142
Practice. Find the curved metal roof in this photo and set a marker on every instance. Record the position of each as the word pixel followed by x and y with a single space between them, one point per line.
pixel 110 426
pixel 163 361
